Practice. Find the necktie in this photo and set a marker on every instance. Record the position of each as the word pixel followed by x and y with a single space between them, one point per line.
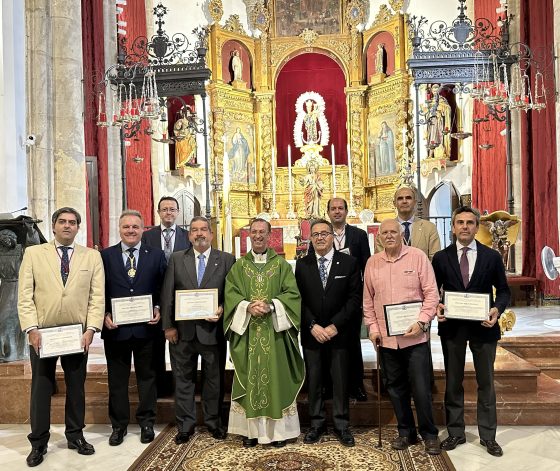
pixel 130 265
pixel 406 232
pixel 464 265
pixel 201 268
pixel 64 264
pixel 167 249
pixel 323 271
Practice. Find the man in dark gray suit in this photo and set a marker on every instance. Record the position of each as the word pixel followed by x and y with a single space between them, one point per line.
pixel 200 267
pixel 170 238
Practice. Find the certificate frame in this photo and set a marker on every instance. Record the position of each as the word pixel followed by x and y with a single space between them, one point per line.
pixel 399 317
pixel 143 310
pixel 61 340
pixel 196 304
pixel 458 303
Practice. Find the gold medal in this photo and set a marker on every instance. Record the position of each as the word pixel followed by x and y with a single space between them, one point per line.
pixel 132 272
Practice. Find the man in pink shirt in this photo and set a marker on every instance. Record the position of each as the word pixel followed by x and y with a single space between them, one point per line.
pixel 402 274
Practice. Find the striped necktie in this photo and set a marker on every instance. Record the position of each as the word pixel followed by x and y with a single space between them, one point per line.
pixel 64 264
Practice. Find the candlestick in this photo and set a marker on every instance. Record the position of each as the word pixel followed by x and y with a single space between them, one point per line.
pixel 333 171
pixel 291 214
pixel 238 247
pixel 351 210
pixel 274 213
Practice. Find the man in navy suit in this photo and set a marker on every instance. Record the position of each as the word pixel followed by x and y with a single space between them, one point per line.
pixel 330 285
pixel 170 238
pixel 469 266
pixel 200 267
pixel 132 269
pixel 352 241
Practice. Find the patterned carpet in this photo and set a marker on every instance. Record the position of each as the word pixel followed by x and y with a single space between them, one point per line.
pixel 202 452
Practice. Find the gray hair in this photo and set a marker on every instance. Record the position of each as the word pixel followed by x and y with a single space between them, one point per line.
pixel 131 212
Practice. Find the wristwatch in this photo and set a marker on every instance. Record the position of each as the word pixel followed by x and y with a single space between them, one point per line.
pixel 423 326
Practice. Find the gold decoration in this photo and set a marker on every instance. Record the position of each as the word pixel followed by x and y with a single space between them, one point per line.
pixel 308 36
pixel 383 16
pixel 216 10
pixel 356 12
pixel 233 24
pixel 507 321
pixel 396 5
pixel 428 165
pixel 260 17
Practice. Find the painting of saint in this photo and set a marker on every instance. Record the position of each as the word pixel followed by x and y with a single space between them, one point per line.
pixel 240 155
pixel 382 159
pixel 293 16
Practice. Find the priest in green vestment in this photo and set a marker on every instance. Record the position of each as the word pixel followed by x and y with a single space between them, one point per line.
pixel 262 310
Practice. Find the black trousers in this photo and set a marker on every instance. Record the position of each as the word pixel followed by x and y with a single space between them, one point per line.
pixel 337 361
pixel 118 355
pixel 407 376
pixel 484 354
pixel 184 363
pixel 42 389
pixel 356 372
pixel 163 382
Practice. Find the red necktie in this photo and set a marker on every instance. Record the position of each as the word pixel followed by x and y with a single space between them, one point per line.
pixel 464 266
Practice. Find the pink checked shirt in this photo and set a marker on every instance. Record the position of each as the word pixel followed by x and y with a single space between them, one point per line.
pixel 408 278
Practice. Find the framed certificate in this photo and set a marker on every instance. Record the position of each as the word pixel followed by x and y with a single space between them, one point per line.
pixel 132 309
pixel 399 317
pixel 191 304
pixel 61 340
pixel 466 306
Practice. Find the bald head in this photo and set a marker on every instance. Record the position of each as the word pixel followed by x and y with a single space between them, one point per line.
pixel 405 202
pixel 390 235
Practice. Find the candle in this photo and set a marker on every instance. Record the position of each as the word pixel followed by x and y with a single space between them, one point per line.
pixel 273 183
pixel 333 171
pixel 349 169
pixel 290 169
pixel 238 247
pixel 248 242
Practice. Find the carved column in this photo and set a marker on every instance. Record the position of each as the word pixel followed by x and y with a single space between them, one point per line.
pixel 266 141
pixel 357 139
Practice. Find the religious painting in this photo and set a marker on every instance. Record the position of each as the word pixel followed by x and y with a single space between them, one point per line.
pixel 293 16
pixel 381 143
pixel 240 150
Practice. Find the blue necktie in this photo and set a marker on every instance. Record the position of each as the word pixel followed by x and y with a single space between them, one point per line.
pixel 323 271
pixel 64 264
pixel 201 268
pixel 406 232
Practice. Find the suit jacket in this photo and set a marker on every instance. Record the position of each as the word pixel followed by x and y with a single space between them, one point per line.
pixel 44 301
pixel 424 237
pixel 338 303
pixel 148 279
pixel 489 273
pixel 357 241
pixel 181 274
pixel 152 237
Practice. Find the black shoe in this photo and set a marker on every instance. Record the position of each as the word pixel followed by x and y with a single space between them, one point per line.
pixel 218 433
pixel 492 447
pixel 359 394
pixel 278 443
pixel 83 447
pixel 402 443
pixel 450 443
pixel 250 442
pixel 432 446
pixel 183 437
pixel 35 458
pixel 117 436
pixel 314 435
pixel 147 434
pixel 344 437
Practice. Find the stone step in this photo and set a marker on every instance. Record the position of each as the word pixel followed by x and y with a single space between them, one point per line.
pixel 543 352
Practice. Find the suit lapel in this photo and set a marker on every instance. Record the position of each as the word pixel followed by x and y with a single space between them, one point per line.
pixel 348 238
pixel 334 271
pixel 211 267
pixel 416 232
pixel 75 262
pixel 313 268
pixel 144 252
pixel 478 264
pixel 454 262
pixel 53 260
pixel 190 266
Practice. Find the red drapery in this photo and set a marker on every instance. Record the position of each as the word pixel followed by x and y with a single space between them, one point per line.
pixel 95 137
pixel 138 174
pixel 305 73
pixel 489 166
pixel 538 154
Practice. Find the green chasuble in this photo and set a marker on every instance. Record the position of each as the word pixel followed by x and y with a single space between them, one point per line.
pixel 269 369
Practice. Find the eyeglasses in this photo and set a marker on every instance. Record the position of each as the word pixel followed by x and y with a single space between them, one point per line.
pixel 321 235
pixel 169 210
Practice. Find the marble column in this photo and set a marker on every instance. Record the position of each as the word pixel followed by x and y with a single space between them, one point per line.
pixel 56 174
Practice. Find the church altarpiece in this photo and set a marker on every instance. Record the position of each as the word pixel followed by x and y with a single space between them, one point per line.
pixel 243 124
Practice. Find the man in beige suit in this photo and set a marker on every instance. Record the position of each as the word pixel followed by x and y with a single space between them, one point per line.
pixel 416 232
pixel 60 283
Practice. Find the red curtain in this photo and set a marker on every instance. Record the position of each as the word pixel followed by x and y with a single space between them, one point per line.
pixel 139 173
pixel 95 137
pixel 306 73
pixel 538 153
pixel 489 166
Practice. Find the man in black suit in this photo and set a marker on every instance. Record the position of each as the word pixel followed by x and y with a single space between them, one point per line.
pixel 330 285
pixel 352 241
pixel 200 267
pixel 170 238
pixel 132 269
pixel 469 266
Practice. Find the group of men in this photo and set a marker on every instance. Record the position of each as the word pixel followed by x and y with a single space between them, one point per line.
pixel 264 310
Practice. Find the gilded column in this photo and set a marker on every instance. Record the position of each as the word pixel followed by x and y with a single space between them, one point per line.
pixel 357 125
pixel 266 141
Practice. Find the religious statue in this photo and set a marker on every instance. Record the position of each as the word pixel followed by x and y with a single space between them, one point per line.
pixel 310 123
pixel 185 144
pixel 238 156
pixel 385 163
pixel 380 59
pixel 438 125
pixel 236 65
pixel 499 232
pixel 312 190
pixel 13 345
